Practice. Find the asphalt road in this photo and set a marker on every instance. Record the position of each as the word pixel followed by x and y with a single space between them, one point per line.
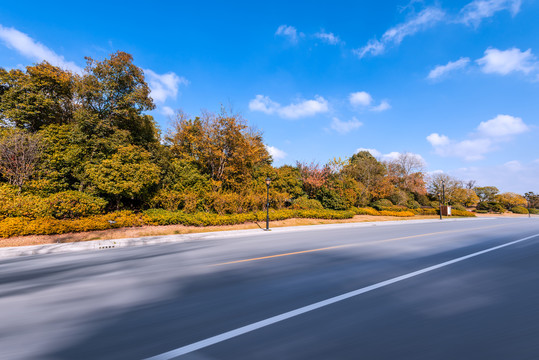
pixel 277 296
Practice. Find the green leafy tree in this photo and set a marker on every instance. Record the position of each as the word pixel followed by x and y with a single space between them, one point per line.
pixel 114 95
pixel 40 96
pixel 486 193
pixel 127 175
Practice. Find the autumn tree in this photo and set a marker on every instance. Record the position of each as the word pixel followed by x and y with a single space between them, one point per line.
pixel 510 200
pixel 533 199
pixel 406 171
pixel 222 146
pixel 19 154
pixel 40 96
pixel 313 176
pixel 466 197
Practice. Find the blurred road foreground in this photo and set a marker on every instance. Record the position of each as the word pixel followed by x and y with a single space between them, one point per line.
pixel 425 290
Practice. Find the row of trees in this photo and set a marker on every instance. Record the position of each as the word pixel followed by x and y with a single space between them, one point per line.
pixel 90 134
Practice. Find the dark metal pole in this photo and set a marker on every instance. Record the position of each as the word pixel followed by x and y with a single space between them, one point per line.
pixel 440 202
pixel 443 191
pixel 267 206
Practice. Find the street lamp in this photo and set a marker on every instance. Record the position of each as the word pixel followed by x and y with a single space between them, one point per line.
pixel 443 191
pixel 268 180
pixel 440 203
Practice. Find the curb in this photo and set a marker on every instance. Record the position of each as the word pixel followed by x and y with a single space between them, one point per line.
pixel 17 251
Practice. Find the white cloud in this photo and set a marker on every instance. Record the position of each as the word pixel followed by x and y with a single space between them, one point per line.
pixel 360 98
pixel 502 125
pixel 394 155
pixel 513 165
pixel 164 86
pixel 373 152
pixel 304 108
pixel 490 134
pixel 275 153
pixel 394 36
pixel 507 61
pixel 289 32
pixel 344 127
pixel 364 99
pixel 167 111
pixel 441 70
pixel 436 139
pixel 329 38
pixel 383 106
pixel 32 49
pixel 264 104
pixel 478 10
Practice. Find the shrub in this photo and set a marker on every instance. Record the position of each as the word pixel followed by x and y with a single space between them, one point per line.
pixel 412 204
pixel 519 210
pixel 458 207
pixel 481 211
pixel 397 213
pixel 427 211
pixel 461 213
pixel 381 204
pixel 366 211
pixel 304 203
pixel 72 204
pixel 534 211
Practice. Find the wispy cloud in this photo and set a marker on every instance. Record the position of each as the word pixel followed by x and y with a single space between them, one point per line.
pixel 329 38
pixel 164 86
pixel 288 32
pixel 471 14
pixel 32 49
pixel 474 12
pixel 442 70
pixel 487 138
pixel 302 108
pixel 393 155
pixel 425 19
pixel 344 127
pixel 275 153
pixel 504 62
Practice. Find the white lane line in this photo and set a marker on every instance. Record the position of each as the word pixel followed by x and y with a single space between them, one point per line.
pixel 290 314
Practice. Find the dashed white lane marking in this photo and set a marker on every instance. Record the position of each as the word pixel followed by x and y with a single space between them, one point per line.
pixel 290 314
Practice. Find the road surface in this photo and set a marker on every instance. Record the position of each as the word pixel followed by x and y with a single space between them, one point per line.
pixel 439 290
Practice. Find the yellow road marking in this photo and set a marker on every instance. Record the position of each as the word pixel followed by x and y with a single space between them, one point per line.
pixel 355 244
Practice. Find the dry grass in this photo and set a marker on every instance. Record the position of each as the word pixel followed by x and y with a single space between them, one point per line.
pixel 181 229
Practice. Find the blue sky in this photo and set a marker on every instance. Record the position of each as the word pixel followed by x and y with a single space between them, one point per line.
pixel 455 82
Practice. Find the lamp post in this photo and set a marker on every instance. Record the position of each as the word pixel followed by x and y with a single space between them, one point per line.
pixel 268 180
pixel 443 191
pixel 440 202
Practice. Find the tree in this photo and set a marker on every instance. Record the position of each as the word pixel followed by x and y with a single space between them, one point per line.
pixel 533 199
pixel 40 96
pixel 313 176
pixel 466 197
pixel 510 200
pixel 365 169
pixel 486 193
pixel 127 175
pixel 19 154
pixel 407 172
pixel 114 95
pixel 450 185
pixel 223 146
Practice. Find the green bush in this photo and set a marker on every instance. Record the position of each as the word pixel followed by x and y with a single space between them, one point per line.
pixel 304 203
pixel 381 204
pixel 73 204
pixel 534 211
pixel 481 211
pixel 519 210
pixel 458 207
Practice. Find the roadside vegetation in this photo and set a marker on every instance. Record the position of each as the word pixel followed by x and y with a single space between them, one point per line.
pixel 78 152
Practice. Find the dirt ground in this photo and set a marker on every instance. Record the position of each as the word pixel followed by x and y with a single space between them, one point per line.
pixel 181 229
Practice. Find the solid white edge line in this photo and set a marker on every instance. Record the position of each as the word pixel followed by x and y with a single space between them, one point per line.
pixel 287 315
